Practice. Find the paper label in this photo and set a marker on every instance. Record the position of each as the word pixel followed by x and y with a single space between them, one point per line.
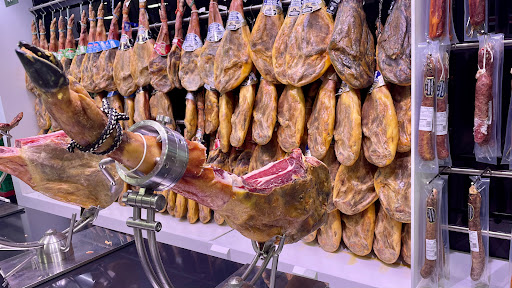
pixel 311 6
pixel 81 50
pixel 333 6
pixel 90 47
pixel 426 116
pixel 190 96
pixel 112 93
pixel 250 80
pixel 473 241
pixel 215 32
pixel 60 54
pixel 235 21
pixel 429 87
pixel 431 249
pixel 440 89
pixel 216 145
pixel 113 43
pixel 308 152
pixel 378 81
pixel 192 42
pixel 124 43
pixel 343 88
pixel 431 215
pixel 162 48
pixel 142 35
pixel 272 7
pixel 178 42
pixel 70 53
pixel 489 113
pixel 441 123
pixel 294 8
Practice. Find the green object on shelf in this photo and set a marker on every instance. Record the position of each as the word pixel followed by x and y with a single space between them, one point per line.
pixel 7 184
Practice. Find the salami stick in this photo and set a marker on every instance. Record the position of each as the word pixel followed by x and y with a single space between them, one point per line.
pixel 437 19
pixel 476 14
pixel 425 142
pixel 483 96
pixel 430 236
pixel 475 234
pixel 442 105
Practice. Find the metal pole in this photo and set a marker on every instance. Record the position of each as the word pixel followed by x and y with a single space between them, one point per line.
pixel 474 45
pixel 155 253
pixel 45 5
pixel 141 250
pixel 476 172
pixel 499 235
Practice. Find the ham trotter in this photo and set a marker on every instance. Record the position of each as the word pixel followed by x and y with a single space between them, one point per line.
pixel 299 187
pixel 6 127
pixel 483 96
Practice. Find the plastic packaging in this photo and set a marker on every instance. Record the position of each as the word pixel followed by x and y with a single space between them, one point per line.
pixel 426 106
pixel 438 20
pixel 453 36
pixel 444 277
pixel 442 76
pixel 479 240
pixel 487 126
pixel 507 151
pixel 430 243
pixel 475 19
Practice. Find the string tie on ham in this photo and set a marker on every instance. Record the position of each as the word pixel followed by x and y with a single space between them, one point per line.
pixel 483 69
pixel 113 123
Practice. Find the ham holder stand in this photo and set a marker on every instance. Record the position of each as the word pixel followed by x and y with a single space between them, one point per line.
pixel 59 252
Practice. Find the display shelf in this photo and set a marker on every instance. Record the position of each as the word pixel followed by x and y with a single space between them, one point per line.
pixel 460 266
pixel 177 232
pixel 340 269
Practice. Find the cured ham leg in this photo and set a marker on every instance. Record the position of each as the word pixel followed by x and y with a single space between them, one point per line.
pixel 69 46
pixel 142 49
pixel 158 64
pixel 174 57
pixel 298 187
pixel 122 76
pixel 189 65
pixel 76 65
pixel 43 43
pixel 212 43
pixel 87 80
pixel 104 75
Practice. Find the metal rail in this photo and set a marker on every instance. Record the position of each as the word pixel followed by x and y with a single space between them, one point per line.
pixel 475 45
pixel 45 5
pixel 492 234
pixel 476 172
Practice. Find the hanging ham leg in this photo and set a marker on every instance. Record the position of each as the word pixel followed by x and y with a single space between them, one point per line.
pixel 174 57
pixel 142 49
pixel 69 46
pixel 35 42
pixel 158 64
pixel 212 43
pixel 54 43
pixel 62 42
pixel 43 43
pixel 291 114
pixel 265 113
pixel 122 76
pixel 87 80
pixel 298 187
pixel 104 75
pixel 189 69
pixel 76 65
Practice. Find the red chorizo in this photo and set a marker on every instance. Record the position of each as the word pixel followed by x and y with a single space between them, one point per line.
pixel 442 108
pixel 425 141
pixel 437 19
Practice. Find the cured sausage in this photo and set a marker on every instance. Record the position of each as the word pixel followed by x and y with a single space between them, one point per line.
pixel 425 139
pixel 442 108
pixel 437 19
pixel 475 234
pixel 430 236
pixel 483 96
pixel 476 14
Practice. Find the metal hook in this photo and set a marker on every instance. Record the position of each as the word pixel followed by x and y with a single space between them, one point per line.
pixel 438 174
pixel 479 177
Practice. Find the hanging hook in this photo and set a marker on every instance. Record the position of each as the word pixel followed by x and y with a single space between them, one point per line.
pixel 479 178
pixel 438 174
pixel 67 13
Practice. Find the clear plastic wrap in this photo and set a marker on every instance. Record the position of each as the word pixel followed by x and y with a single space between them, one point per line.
pixel 507 151
pixel 487 125
pixel 438 20
pixel 444 277
pixel 431 244
pixel 426 106
pixel 442 109
pixel 478 217
pixel 476 19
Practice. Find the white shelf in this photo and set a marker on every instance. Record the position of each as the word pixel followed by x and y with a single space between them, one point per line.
pixel 340 269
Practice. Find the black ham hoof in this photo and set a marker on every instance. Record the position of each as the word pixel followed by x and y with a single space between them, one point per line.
pixel 42 67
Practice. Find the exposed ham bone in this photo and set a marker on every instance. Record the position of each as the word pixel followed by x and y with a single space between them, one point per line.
pixel 258 205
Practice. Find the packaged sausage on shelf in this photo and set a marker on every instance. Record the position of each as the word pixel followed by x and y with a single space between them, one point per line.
pixel 442 73
pixel 475 19
pixel 426 106
pixel 430 268
pixel 438 20
pixel 487 119
pixel 478 224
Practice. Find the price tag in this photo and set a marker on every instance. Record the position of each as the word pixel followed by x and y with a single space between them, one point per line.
pixel 426 115
pixel 235 21
pixel 473 241
pixel 310 6
pixel 431 249
pixel 192 42
pixel 215 32
pixel 441 123
pixel 272 7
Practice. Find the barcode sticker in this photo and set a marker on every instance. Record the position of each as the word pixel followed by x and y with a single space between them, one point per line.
pixel 441 123
pixel 431 249
pixel 473 241
pixel 426 116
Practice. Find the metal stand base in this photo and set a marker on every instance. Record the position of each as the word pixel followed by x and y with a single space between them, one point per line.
pixel 89 245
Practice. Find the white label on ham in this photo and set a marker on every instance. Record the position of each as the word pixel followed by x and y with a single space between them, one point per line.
pixel 473 241
pixel 378 81
pixel 489 113
pixel 272 7
pixel 124 43
pixel 235 21
pixel 215 32
pixel 312 5
pixel 142 35
pixel 81 50
pixel 426 116
pixel 294 8
pixel 441 123
pixel 431 249
pixel 192 42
